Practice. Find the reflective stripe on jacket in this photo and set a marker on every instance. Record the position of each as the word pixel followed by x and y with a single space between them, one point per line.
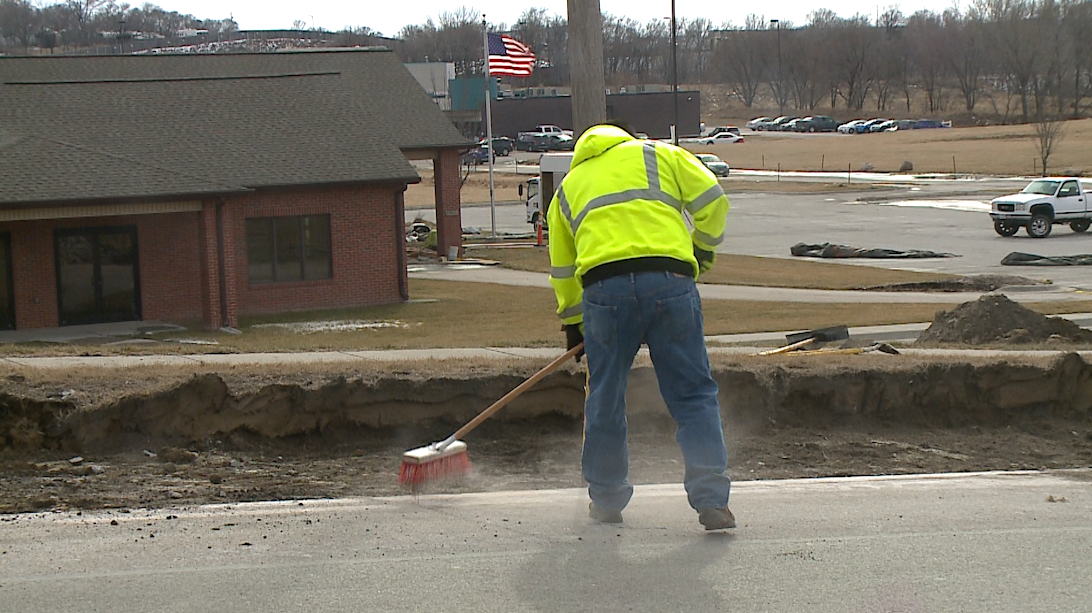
pixel 625 198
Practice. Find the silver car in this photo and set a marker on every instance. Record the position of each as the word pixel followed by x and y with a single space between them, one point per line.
pixel 713 163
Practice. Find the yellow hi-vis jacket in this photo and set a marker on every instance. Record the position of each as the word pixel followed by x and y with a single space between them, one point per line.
pixel 624 198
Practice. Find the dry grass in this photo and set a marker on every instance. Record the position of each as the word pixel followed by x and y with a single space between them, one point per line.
pixel 745 270
pixel 451 314
pixel 991 150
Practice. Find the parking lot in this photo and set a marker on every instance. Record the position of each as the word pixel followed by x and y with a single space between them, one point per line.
pixel 927 215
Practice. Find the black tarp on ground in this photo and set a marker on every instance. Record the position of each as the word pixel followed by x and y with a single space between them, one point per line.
pixel 1030 259
pixel 829 250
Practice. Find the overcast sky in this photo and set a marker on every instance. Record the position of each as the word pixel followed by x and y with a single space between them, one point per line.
pixel 388 16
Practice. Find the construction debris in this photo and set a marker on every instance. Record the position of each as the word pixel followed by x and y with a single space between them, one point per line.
pixel 1029 259
pixel 830 250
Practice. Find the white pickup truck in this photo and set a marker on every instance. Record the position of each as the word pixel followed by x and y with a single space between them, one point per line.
pixel 1043 203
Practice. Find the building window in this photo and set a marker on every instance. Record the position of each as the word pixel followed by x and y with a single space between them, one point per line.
pixel 282 249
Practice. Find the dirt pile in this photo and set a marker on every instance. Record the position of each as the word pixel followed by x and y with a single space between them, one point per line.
pixel 997 319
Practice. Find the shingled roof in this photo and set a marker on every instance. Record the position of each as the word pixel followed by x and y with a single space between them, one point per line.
pixel 121 127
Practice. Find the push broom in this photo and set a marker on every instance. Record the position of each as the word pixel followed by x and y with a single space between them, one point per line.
pixel 448 458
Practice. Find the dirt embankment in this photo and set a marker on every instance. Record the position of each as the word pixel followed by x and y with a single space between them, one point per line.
pixel 791 391
pixel 231 436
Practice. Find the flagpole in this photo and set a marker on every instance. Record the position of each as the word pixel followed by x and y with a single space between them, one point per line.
pixel 489 128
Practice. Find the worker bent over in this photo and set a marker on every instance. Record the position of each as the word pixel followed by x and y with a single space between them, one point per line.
pixel 623 265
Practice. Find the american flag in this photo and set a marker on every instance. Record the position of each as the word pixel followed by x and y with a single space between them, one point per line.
pixel 509 57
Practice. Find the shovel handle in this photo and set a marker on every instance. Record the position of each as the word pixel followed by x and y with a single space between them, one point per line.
pixel 792 347
pixel 515 393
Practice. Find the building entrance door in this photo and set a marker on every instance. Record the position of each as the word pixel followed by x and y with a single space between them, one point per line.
pixel 97 275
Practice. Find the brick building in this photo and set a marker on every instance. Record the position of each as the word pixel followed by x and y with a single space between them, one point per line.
pixel 186 187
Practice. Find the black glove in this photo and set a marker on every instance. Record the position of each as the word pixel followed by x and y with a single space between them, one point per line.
pixel 705 259
pixel 573 337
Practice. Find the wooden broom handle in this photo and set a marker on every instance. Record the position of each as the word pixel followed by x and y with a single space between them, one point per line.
pixel 792 347
pixel 512 395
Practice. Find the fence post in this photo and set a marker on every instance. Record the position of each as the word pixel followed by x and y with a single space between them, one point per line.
pixel 849 174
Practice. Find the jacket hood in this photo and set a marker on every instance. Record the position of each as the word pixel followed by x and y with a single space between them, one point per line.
pixel 596 140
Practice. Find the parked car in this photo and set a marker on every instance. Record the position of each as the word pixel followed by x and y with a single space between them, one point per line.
pixel 478 155
pixel 866 126
pixel 723 137
pixel 849 127
pixel 502 145
pixel 529 141
pixel 754 123
pixel 713 163
pixel 719 130
pixel 783 125
pixel 882 126
pixel 774 124
pixel 791 125
pixel 816 123
pixel 560 142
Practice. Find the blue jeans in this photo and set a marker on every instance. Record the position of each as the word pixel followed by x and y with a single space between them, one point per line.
pixel 662 310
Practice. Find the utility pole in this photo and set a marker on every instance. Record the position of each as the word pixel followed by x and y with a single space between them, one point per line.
pixel 780 87
pixel 674 76
pixel 586 64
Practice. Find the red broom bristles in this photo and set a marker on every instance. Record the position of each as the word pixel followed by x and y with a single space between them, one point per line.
pixel 417 473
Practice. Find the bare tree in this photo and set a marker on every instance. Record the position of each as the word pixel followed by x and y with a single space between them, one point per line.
pixel 966 52
pixel 740 55
pixel 18 19
pixel 695 39
pixel 805 67
pixel 1077 22
pixel 854 45
pixel 1048 133
pixel 83 12
pixel 927 48
pixel 892 63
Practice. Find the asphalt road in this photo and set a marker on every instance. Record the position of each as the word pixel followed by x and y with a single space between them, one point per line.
pixel 933 215
pixel 983 543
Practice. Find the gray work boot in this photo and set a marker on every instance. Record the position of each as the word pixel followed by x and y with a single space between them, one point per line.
pixel 604 516
pixel 716 519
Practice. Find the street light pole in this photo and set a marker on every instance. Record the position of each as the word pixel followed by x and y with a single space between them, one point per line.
pixel 780 85
pixel 674 75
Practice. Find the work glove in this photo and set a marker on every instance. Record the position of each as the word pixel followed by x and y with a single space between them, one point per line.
pixel 574 335
pixel 705 259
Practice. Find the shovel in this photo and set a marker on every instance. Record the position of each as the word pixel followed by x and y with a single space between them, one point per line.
pixel 799 340
pixel 881 347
